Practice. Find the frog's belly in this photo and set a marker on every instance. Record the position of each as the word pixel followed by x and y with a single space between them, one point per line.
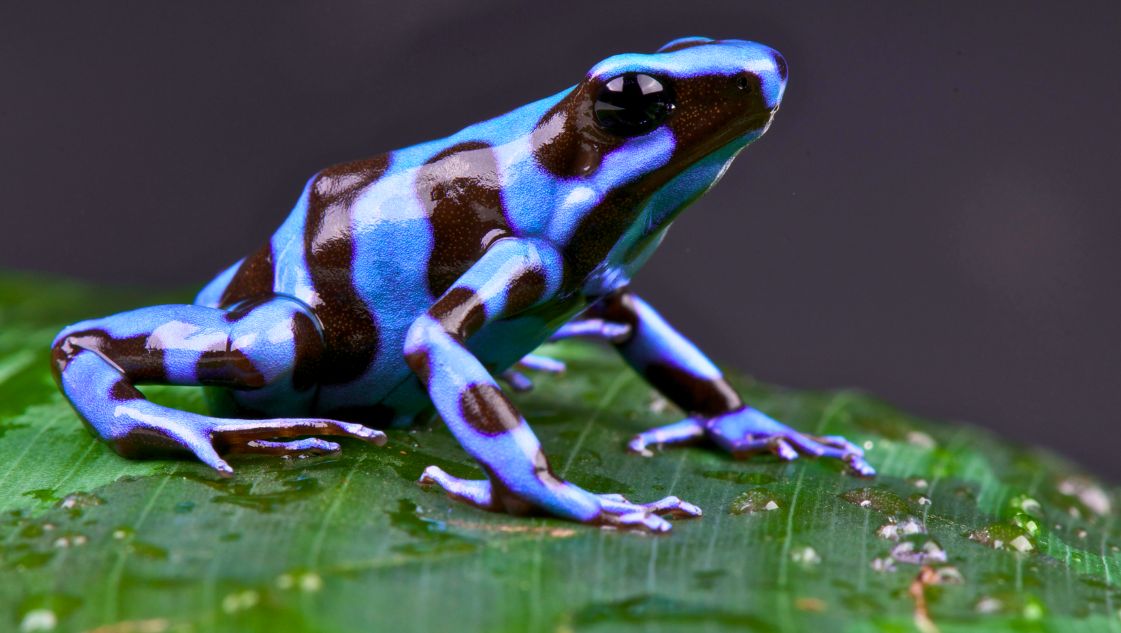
pixel 390 394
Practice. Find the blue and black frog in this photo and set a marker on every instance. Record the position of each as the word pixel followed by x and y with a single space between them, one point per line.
pixel 417 278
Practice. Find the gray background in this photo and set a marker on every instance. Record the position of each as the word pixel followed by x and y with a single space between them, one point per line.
pixel 933 216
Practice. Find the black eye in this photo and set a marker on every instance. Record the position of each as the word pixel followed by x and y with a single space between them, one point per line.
pixel 633 104
pixel 742 84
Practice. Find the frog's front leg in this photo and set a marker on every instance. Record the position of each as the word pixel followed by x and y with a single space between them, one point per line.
pixel 270 347
pixel 514 275
pixel 687 378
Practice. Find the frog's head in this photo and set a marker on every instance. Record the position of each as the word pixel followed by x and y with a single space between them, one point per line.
pixel 642 136
pixel 692 98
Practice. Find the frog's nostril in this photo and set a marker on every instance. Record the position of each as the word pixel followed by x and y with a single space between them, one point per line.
pixel 780 64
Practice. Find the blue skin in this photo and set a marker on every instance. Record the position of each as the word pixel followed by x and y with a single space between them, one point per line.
pixel 413 279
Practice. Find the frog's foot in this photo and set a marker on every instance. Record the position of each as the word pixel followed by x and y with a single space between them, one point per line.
pixel 475 492
pixel 687 431
pixel 146 429
pixel 748 431
pixel 618 512
pixel 614 510
pixel 520 382
pixel 261 436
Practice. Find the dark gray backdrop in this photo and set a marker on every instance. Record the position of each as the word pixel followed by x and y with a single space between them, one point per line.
pixel 933 217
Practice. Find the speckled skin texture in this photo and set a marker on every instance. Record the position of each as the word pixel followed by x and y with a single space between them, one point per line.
pixel 413 279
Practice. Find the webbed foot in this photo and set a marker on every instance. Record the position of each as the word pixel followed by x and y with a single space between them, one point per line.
pixel 146 429
pixel 748 431
pixel 607 510
pixel 649 517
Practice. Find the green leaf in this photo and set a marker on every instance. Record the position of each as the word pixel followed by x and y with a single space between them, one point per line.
pixel 1015 539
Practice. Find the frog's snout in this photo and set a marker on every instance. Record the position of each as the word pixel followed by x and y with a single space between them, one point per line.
pixel 780 66
pixel 758 64
pixel 778 71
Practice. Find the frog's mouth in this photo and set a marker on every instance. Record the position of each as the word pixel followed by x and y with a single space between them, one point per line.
pixel 742 132
pixel 761 119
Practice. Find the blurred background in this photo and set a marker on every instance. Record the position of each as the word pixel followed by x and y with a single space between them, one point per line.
pixel 934 217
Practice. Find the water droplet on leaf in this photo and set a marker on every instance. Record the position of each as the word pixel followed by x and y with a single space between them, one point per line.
pixel 38 620
pixel 878 499
pixel 1004 536
pixel 918 549
pixel 240 601
pixel 988 605
pixel 1087 493
pixel 755 500
pixel 806 555
pixel 893 531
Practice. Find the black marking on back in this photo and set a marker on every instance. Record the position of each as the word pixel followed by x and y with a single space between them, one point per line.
pixel 460 189
pixel 309 352
pixel 350 333
pixel 253 279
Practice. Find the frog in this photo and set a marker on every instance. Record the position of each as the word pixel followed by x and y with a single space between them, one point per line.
pixel 424 278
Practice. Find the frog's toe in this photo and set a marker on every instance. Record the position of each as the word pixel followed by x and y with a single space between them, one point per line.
pixel 535 362
pixel 305 447
pixel 842 443
pixel 674 507
pixel 859 466
pixel 476 492
pixel 617 511
pixel 750 432
pixel 833 447
pixel 684 432
pixel 206 437
pixel 518 381
pixel 781 447
pixel 669 506
pixel 235 433
pixel 639 521
pixel 204 450
pixel 611 331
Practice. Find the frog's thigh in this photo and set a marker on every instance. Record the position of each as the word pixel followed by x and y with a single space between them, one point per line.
pixel 270 348
pixel 257 344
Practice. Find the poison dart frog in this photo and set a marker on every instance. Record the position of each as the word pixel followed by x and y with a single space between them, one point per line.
pixel 418 278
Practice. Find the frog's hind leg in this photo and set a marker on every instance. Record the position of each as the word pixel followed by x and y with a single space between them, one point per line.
pixel 594 328
pixel 589 328
pixel 520 382
pixel 269 348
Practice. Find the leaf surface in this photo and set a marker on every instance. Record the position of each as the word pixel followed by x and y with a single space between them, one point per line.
pixel 351 543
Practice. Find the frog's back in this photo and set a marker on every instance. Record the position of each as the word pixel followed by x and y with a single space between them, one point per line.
pixel 371 244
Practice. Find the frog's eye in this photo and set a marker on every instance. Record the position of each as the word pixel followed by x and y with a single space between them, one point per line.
pixel 633 104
